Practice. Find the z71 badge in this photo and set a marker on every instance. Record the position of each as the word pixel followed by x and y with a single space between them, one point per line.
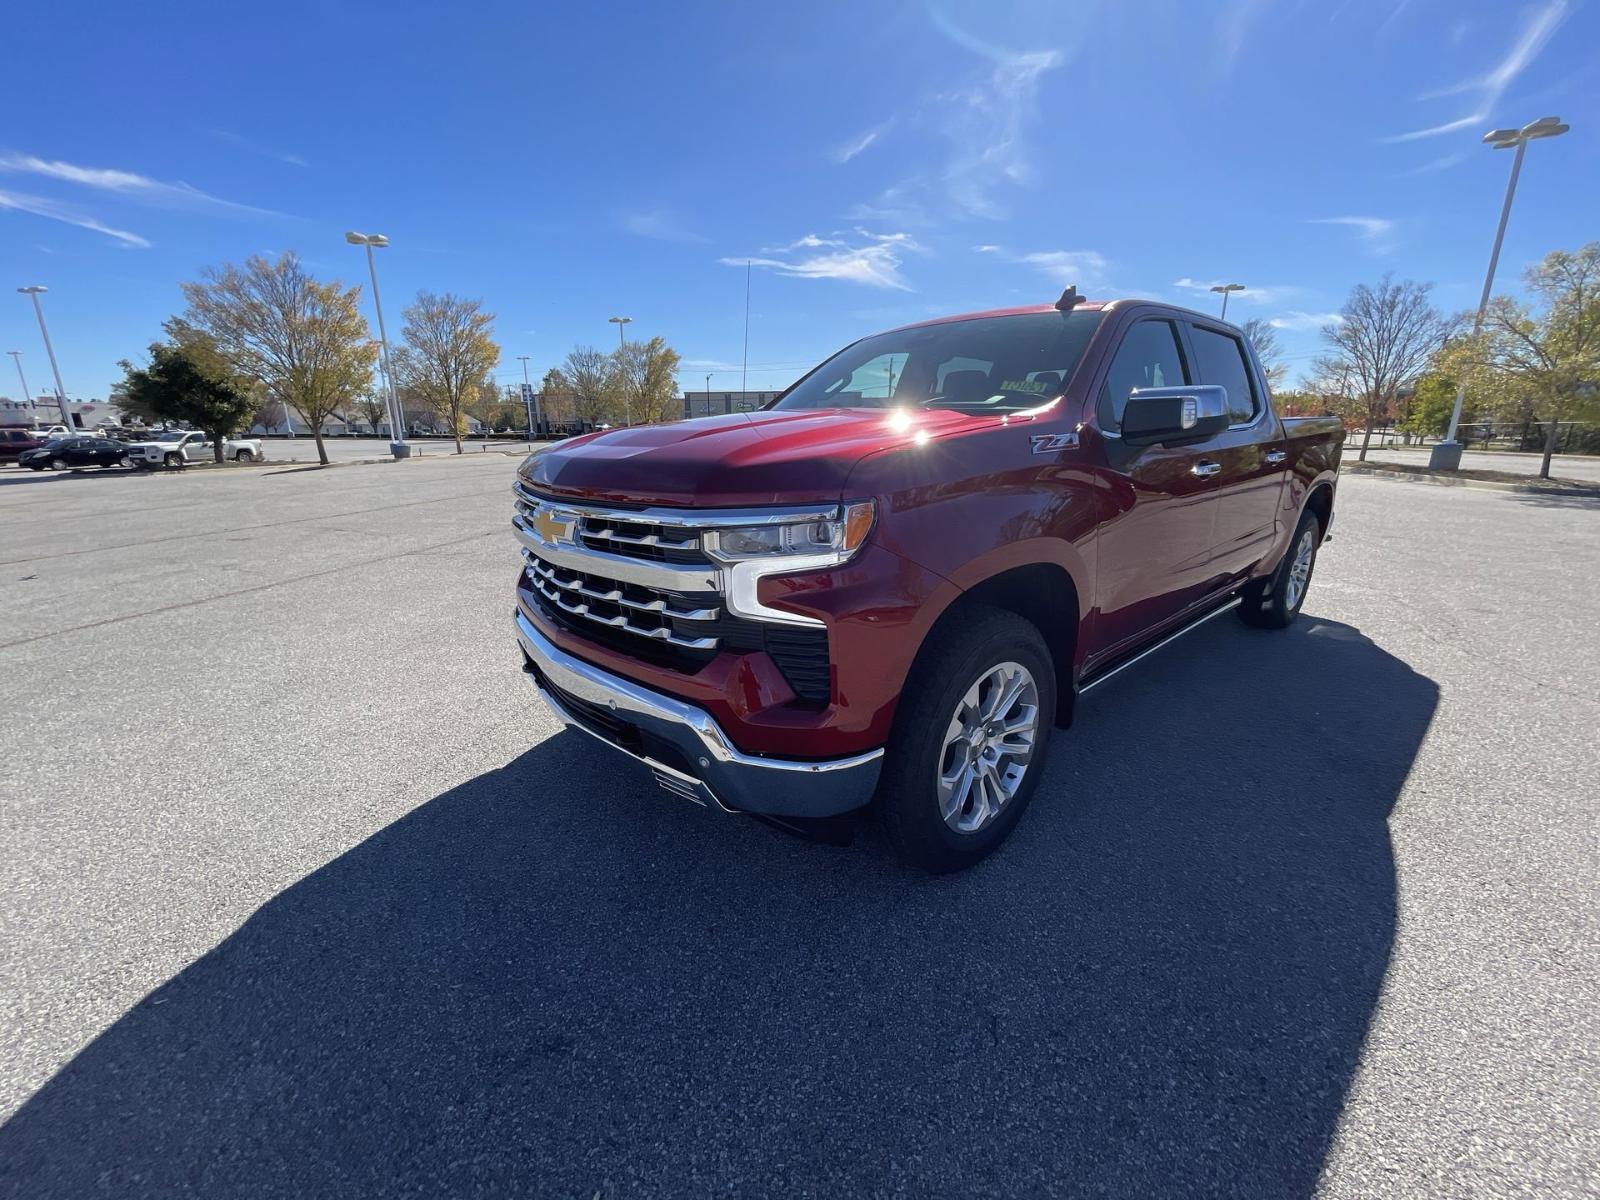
pixel 1044 443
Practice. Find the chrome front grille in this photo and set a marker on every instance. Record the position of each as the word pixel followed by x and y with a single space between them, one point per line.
pixel 637 581
pixel 616 605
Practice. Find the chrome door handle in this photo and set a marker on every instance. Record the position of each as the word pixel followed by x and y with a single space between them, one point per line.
pixel 1206 469
pixel 1276 456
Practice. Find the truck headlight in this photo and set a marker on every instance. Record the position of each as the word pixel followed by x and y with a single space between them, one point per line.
pixel 821 543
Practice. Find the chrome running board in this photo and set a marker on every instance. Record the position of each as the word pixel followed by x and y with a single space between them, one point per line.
pixel 1231 603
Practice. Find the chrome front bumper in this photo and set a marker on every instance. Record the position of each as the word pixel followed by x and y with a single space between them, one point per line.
pixel 684 746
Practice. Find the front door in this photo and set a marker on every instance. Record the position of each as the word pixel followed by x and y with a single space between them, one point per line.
pixel 1157 525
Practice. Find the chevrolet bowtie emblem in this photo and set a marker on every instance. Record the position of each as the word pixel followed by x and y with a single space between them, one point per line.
pixel 552 528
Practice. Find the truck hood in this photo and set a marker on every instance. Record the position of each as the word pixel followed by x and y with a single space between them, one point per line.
pixel 743 459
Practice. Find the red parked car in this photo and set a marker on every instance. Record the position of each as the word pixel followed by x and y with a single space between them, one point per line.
pixel 14 443
pixel 893 584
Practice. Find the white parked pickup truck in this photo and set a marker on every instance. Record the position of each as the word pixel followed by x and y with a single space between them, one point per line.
pixel 178 447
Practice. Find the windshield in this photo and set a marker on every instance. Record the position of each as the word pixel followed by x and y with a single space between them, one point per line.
pixel 987 364
pixel 171 437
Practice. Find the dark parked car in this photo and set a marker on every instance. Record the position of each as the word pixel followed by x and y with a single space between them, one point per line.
pixel 63 453
pixel 16 442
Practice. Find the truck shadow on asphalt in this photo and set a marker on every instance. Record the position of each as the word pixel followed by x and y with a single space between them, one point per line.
pixel 553 980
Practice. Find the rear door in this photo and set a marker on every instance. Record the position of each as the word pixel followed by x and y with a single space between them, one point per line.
pixel 1251 453
pixel 1153 546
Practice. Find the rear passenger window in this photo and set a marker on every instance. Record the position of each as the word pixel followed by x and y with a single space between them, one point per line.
pixel 1220 358
pixel 1149 357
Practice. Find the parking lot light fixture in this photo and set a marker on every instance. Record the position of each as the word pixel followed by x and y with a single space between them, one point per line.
pixel 35 290
pixel 1226 289
pixel 397 424
pixel 1446 456
pixel 622 345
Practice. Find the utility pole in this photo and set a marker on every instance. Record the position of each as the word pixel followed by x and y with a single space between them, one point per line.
pixel 16 357
pixel 61 391
pixel 528 400
pixel 1446 456
pixel 397 419
pixel 622 349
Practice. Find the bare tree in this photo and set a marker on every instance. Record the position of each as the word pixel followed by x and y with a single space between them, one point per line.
pixel 590 375
pixel 305 341
pixel 1384 340
pixel 449 349
pixel 373 405
pixel 1264 337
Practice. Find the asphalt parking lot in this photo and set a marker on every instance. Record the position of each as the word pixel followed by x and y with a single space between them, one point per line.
pixel 302 895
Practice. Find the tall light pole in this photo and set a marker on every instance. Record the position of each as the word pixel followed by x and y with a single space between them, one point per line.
pixel 61 392
pixel 397 418
pixel 622 345
pixel 1225 289
pixel 708 393
pixel 529 401
pixel 1446 456
pixel 16 357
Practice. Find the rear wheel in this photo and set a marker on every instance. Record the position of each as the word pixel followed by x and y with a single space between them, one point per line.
pixel 969 740
pixel 1274 602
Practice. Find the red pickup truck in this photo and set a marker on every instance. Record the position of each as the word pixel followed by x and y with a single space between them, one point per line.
pixel 889 586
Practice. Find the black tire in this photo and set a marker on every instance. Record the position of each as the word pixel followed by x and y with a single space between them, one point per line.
pixel 58 464
pixel 173 460
pixel 124 461
pixel 1274 602
pixel 244 456
pixel 972 643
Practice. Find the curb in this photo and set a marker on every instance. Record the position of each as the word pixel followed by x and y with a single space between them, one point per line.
pixel 1411 474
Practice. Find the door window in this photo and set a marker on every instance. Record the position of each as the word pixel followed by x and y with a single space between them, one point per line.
pixel 1149 357
pixel 1220 358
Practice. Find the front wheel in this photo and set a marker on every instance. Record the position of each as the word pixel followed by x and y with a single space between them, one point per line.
pixel 173 460
pixel 969 740
pixel 244 456
pixel 1274 602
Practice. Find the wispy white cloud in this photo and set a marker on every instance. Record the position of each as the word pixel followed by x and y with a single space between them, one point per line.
pixel 1416 135
pixel 860 142
pixel 52 210
pixel 1442 163
pixel 1274 293
pixel 1489 88
pixel 1234 27
pixel 714 366
pixel 238 139
pixel 1304 322
pixel 985 122
pixel 1084 267
pixel 123 183
pixel 661 226
pixel 1376 232
pixel 872 259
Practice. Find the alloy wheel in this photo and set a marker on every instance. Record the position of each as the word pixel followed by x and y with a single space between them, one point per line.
pixel 988 745
pixel 1300 569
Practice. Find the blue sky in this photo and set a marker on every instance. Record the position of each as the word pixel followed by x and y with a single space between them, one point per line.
pixel 880 162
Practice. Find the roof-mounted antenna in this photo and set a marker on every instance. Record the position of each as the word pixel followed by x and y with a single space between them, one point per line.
pixel 1069 299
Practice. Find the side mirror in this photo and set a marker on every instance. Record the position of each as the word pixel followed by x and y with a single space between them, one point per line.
pixel 1174 414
